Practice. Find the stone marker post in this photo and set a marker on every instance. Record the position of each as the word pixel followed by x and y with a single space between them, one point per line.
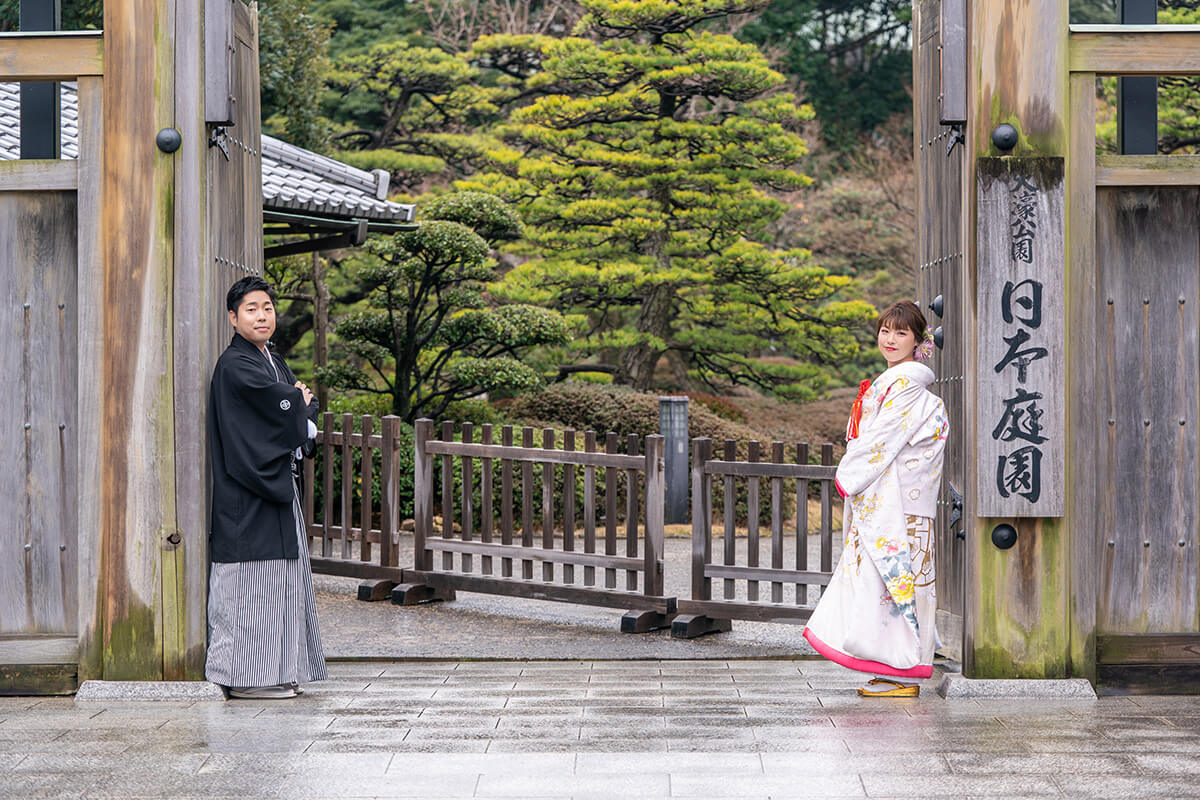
pixel 673 425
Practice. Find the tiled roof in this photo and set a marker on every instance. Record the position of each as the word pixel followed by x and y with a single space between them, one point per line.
pixel 294 180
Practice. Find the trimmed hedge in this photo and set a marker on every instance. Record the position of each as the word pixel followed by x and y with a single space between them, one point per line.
pixel 585 406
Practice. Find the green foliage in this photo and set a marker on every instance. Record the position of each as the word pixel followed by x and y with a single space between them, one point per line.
pixel 602 409
pixel 77 15
pixel 292 40
pixel 474 410
pixel 427 336
pixel 403 475
pixel 357 24
pixel 853 59
pixel 415 110
pixel 644 180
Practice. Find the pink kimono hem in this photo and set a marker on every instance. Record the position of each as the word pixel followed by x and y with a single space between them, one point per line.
pixel 863 665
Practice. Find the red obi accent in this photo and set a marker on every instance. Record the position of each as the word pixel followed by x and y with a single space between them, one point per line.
pixel 856 411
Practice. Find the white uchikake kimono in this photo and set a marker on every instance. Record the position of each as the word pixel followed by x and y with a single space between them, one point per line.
pixel 877 615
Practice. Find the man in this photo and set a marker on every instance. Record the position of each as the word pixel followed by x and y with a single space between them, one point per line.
pixel 263 636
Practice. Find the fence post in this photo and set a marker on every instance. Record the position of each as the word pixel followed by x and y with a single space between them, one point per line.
pixel 689 626
pixel 422 493
pixel 407 594
pixel 655 509
pixel 389 491
pixel 389 505
pixel 652 548
pixel 826 513
pixel 701 518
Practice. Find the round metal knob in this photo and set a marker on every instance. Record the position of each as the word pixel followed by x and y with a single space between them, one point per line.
pixel 168 140
pixel 1004 536
pixel 1005 137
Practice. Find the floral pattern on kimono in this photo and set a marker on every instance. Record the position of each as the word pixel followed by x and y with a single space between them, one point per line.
pixel 868 618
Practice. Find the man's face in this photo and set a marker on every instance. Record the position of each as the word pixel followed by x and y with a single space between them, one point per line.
pixel 255 318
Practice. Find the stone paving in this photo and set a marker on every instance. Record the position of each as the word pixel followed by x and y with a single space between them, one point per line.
pixel 601 729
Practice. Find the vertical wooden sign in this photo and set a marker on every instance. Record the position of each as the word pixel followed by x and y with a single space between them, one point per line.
pixel 1020 252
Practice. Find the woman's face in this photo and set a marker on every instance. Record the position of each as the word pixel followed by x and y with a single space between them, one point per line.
pixel 897 344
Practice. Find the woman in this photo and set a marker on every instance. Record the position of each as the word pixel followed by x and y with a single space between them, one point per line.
pixel 877 615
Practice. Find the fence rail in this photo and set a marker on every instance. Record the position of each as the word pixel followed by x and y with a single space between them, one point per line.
pixel 577 518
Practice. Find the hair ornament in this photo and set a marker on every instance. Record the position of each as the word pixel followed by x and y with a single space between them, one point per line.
pixel 924 350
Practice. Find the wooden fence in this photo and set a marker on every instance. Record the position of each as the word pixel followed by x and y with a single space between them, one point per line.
pixel 704 614
pixel 577 519
pixel 369 549
pixel 620 474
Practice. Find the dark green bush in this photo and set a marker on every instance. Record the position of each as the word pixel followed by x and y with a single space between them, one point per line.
pixel 604 408
pixel 403 476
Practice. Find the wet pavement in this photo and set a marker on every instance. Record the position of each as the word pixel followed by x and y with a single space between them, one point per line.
pixel 488 626
pixel 601 729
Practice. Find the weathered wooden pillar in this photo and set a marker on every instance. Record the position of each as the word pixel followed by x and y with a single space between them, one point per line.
pixel 1016 610
pixel 144 496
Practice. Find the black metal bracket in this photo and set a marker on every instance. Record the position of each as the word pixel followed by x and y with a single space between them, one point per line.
pixel 219 138
pixel 957 136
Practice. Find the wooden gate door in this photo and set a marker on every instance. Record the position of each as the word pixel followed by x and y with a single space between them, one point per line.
pixel 38 440
pixel 940 273
pixel 1148 443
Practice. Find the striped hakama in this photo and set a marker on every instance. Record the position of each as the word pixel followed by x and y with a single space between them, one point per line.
pixel 262 620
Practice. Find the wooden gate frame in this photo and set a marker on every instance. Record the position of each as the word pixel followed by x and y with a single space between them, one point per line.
pixel 702 614
pixel 649 609
pixel 1030 611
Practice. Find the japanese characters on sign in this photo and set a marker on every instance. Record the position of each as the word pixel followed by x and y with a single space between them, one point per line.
pixel 1020 338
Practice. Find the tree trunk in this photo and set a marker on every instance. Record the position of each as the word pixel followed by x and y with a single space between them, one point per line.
pixel 638 360
pixel 320 325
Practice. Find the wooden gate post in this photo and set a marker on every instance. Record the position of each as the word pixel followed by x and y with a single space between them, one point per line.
pixel 381 588
pixel 652 546
pixel 407 594
pixel 1016 600
pixel 689 626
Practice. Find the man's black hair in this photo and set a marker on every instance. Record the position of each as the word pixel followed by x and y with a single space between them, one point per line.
pixel 248 284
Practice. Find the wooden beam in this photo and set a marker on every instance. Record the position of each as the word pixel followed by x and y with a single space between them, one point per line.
pixel 767 574
pixel 198 309
pixel 1149 648
pixel 757 612
pixel 760 469
pixel 39 175
pixel 39 649
pixel 51 56
pixel 586 595
pixel 1135 49
pixel 1082 506
pixel 1114 170
pixel 134 402
pixel 89 335
pixel 614 460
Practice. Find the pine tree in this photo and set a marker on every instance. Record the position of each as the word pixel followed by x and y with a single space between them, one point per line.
pixel 644 181
pixel 428 336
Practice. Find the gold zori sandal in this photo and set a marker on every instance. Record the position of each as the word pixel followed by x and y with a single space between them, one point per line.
pixel 895 689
